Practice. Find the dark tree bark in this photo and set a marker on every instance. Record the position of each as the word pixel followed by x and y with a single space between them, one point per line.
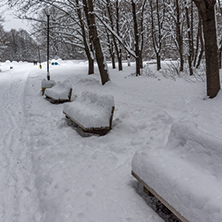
pixel 136 36
pixel 103 69
pixel 142 34
pixel 220 43
pixel 206 9
pixel 115 42
pixel 111 50
pixel 109 10
pixel 179 35
pixel 157 29
pixel 199 39
pixel 190 55
pixel 118 48
pixel 86 45
pixel 220 53
pixel 191 30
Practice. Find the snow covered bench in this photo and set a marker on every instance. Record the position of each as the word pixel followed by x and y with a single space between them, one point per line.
pixel 91 112
pixel 47 84
pixel 185 175
pixel 61 92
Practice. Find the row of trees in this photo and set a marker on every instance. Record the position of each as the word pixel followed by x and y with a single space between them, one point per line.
pixel 135 29
pixel 21 46
pixel 17 46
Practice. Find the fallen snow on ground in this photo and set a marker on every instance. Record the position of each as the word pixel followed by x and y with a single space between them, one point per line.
pixel 186 172
pixel 60 91
pixel 50 173
pixel 90 109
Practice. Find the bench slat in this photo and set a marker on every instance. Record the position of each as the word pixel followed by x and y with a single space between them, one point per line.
pixel 165 203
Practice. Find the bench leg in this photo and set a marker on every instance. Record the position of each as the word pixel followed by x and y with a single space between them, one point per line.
pixel 43 91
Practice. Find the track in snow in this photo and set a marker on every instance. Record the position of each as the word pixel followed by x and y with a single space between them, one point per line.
pixel 17 190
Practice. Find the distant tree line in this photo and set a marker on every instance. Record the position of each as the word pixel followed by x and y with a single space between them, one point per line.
pixel 133 30
pixel 22 46
pixel 17 46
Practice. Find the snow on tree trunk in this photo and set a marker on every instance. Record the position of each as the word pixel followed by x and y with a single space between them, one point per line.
pixel 96 42
pixel 87 49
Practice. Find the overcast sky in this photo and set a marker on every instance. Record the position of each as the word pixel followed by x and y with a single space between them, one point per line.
pixel 11 22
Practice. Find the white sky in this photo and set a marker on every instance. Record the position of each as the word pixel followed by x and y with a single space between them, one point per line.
pixel 11 22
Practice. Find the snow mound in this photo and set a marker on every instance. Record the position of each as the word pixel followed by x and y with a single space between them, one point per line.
pixel 186 172
pixel 61 91
pixel 48 83
pixel 91 110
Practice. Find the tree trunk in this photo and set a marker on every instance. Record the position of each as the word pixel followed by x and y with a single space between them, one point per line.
pixel 91 65
pixel 157 30
pixel 206 8
pixel 119 58
pixel 212 68
pixel 141 59
pixel 197 42
pixel 190 41
pixel 128 59
pixel 113 61
pixel 103 69
pixel 201 44
pixel 158 59
pixel 219 56
pixel 87 49
pixel 220 44
pixel 111 52
pixel 116 45
pixel 136 36
pixel 179 36
pixel 119 51
pixel 191 32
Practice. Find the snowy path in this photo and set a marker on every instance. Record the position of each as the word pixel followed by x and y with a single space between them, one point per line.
pixel 16 188
pixel 50 173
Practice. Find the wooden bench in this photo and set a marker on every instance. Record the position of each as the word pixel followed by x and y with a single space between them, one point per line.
pixel 185 175
pixel 91 112
pixel 47 84
pixel 59 93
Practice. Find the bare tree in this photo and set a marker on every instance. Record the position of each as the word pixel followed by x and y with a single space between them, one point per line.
pixel 157 19
pixel 207 12
pixel 136 36
pixel 199 43
pixel 103 69
pixel 189 33
pixel 179 31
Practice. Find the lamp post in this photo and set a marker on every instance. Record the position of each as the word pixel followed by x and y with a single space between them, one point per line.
pixel 48 75
pixel 40 66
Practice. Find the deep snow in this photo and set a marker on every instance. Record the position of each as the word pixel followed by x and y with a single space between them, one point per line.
pixel 50 173
pixel 60 91
pixel 90 109
pixel 186 172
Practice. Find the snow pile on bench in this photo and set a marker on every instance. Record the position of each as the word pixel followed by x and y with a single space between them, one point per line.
pixel 47 84
pixel 187 172
pixel 60 92
pixel 91 110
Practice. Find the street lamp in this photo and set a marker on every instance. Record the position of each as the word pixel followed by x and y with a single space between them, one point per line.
pixel 40 66
pixel 47 14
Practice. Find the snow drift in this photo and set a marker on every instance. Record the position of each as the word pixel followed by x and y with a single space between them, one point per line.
pixel 186 172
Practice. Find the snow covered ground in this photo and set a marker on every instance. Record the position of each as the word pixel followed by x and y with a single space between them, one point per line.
pixel 50 173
